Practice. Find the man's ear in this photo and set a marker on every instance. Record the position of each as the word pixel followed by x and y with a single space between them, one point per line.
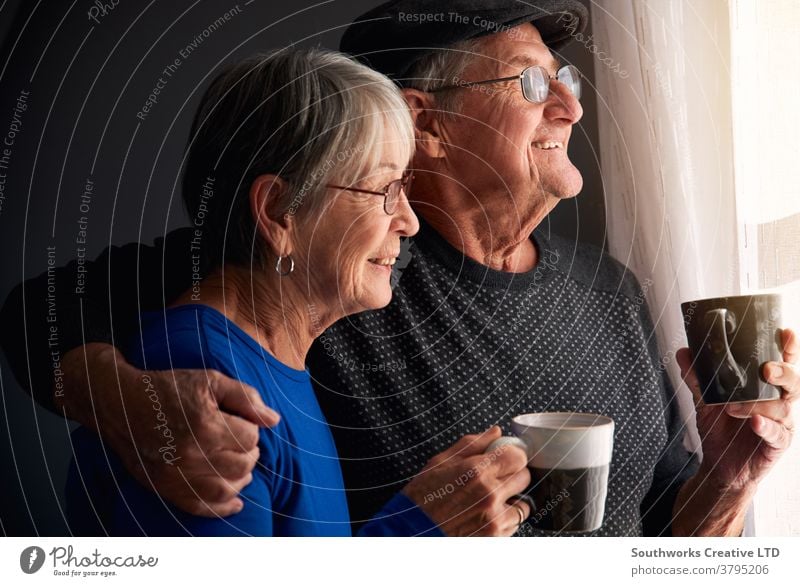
pixel 273 223
pixel 427 124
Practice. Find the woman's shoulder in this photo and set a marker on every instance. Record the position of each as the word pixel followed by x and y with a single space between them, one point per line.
pixel 185 336
pixel 199 336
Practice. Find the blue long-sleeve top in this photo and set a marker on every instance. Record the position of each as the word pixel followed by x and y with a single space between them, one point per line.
pixel 297 486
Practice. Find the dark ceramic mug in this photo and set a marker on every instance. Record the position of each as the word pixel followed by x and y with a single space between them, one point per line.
pixel 731 338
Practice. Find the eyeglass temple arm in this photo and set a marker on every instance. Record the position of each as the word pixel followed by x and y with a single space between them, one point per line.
pixel 356 189
pixel 472 83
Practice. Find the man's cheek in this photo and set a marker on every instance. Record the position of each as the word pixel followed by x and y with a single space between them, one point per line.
pixel 533 164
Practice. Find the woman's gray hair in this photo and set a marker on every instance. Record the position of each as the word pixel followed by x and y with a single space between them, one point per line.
pixel 309 116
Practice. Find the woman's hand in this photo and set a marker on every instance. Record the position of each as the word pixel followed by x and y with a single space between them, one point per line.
pixel 189 435
pixel 466 491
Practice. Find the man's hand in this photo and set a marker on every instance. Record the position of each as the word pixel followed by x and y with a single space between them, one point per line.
pixel 465 491
pixel 741 442
pixel 189 435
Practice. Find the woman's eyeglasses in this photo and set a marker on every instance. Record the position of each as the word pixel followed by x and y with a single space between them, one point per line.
pixel 390 193
pixel 535 81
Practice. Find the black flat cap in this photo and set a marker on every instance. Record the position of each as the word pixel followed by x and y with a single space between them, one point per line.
pixel 392 36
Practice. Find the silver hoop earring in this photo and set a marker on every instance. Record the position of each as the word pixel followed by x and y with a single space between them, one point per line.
pixel 279 269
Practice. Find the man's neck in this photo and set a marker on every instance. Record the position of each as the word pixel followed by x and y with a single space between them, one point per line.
pixel 495 244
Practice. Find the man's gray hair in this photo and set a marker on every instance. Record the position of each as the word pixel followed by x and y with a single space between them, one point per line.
pixel 444 67
pixel 309 116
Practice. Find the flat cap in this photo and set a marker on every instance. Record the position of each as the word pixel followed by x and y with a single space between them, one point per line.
pixel 394 35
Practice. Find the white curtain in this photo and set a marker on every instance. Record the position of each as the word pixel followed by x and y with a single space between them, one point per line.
pixel 698 145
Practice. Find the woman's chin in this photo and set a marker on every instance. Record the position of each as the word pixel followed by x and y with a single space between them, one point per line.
pixel 376 297
pixel 377 292
pixel 376 300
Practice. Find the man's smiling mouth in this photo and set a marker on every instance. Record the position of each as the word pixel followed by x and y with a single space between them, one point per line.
pixel 547 145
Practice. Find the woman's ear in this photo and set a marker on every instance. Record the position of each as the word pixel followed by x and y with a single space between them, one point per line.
pixel 273 223
pixel 428 129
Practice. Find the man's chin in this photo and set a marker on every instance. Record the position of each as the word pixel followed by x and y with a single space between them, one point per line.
pixel 569 194
pixel 568 183
pixel 562 192
pixel 570 186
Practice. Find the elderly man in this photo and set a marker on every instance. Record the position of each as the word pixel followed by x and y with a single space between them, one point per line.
pixel 492 316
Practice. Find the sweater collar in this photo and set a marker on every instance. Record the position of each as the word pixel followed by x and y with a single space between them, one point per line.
pixel 428 241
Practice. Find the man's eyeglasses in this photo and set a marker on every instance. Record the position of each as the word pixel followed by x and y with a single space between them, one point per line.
pixel 535 82
pixel 390 193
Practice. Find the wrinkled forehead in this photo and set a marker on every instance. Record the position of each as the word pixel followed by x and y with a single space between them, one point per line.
pixel 518 47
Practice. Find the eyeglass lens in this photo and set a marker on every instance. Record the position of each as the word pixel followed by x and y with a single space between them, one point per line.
pixel 393 192
pixel 536 82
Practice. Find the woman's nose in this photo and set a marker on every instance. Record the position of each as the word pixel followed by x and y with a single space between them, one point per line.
pixel 404 219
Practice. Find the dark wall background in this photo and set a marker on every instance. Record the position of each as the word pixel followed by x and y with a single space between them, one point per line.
pixel 86 81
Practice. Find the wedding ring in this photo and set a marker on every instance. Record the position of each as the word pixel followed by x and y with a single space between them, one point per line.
pixel 521 514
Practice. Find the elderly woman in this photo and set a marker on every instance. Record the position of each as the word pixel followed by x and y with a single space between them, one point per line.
pixel 295 182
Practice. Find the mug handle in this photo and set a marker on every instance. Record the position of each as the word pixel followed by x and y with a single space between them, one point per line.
pixel 728 370
pixel 510 440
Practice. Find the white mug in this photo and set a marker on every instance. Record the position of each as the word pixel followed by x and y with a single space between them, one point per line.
pixel 569 455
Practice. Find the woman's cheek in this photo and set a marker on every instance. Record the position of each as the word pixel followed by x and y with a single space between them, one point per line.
pixel 351 272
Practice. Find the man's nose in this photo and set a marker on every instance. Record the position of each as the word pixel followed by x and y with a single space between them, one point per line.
pixel 561 104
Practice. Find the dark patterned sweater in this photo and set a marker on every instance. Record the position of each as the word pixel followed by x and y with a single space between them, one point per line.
pixel 462 347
